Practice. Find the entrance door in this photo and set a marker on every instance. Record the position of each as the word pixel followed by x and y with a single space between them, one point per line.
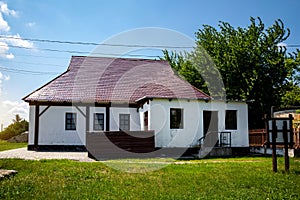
pixel 146 121
pixel 210 128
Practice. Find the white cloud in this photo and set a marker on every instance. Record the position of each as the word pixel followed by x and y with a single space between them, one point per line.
pixel 4 9
pixel 3 47
pixel 10 56
pixel 3 78
pixel 16 40
pixel 3 24
pixel 20 108
pixel 10 103
pixel 30 24
pixel 15 107
pixel 3 51
pixel 10 108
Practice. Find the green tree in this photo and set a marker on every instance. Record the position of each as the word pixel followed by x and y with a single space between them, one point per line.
pixel 16 128
pixel 17 118
pixel 252 63
pixel 291 97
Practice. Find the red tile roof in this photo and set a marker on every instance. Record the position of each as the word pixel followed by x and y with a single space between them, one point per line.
pixel 118 80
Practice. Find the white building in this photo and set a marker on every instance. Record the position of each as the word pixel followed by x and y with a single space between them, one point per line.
pixel 112 94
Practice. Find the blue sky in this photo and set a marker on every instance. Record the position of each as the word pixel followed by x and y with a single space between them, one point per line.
pixel 98 20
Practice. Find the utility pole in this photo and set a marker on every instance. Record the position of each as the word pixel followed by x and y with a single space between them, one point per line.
pixel 1 127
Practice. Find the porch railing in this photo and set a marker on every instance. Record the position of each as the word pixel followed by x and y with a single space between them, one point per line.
pixel 119 144
pixel 215 138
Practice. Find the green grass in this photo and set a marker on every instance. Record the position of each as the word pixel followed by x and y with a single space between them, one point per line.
pixel 4 145
pixel 232 178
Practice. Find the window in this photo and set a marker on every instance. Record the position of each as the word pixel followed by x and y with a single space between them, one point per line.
pixel 124 122
pixel 70 121
pixel 99 121
pixel 176 118
pixel 231 120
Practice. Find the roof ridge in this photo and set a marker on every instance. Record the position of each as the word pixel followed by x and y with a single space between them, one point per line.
pixel 123 58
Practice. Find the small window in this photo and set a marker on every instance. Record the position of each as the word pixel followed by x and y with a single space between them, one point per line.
pixel 98 121
pixel 70 121
pixel 231 120
pixel 124 122
pixel 176 118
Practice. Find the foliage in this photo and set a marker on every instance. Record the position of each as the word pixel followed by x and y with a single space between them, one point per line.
pixel 16 128
pixel 184 68
pixel 4 145
pixel 291 97
pixel 235 178
pixel 252 62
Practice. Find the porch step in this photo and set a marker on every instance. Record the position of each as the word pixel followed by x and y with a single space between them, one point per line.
pixel 215 152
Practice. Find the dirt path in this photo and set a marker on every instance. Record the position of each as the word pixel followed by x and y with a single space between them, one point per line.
pixel 23 153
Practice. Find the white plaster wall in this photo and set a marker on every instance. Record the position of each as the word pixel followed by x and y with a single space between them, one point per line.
pixel 240 137
pixel 52 127
pixel 135 124
pixel 31 125
pixel 52 124
pixel 159 117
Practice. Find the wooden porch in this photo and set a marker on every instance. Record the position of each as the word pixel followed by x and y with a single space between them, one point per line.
pixel 119 144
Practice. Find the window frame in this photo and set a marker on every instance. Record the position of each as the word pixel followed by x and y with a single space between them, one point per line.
pixel 70 122
pixel 98 126
pixel 121 122
pixel 176 123
pixel 231 120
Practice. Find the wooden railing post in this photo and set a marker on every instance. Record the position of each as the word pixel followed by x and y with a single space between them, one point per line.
pixel 286 142
pixel 274 136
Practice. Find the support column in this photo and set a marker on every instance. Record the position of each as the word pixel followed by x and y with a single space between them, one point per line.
pixel 107 115
pixel 36 126
pixel 87 119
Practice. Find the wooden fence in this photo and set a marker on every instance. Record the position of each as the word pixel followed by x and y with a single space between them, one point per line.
pixel 258 137
pixel 119 144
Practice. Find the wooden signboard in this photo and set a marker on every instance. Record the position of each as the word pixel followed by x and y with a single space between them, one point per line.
pixel 280 132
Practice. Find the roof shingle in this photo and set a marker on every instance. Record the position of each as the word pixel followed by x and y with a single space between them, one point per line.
pixel 118 80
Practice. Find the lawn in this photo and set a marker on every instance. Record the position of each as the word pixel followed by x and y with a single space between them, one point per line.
pixel 232 178
pixel 4 145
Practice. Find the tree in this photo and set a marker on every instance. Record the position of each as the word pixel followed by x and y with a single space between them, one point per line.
pixel 291 97
pixel 16 128
pixel 252 64
pixel 17 118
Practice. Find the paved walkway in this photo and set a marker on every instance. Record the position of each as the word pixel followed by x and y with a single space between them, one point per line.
pixel 23 153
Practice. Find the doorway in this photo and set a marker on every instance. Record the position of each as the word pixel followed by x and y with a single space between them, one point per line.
pixel 210 128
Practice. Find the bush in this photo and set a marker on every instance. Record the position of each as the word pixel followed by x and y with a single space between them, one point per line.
pixel 16 128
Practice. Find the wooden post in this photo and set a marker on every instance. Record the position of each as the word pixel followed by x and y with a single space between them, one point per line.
pixel 274 136
pixel 291 142
pixel 36 127
pixel 286 142
pixel 87 118
pixel 107 115
pixel 267 135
